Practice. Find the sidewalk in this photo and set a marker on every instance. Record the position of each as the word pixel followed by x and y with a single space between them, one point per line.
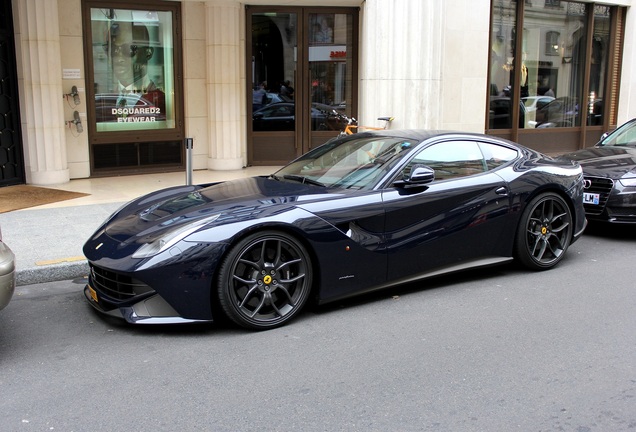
pixel 47 240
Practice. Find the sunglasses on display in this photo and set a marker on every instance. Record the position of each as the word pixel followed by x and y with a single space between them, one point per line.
pixel 125 50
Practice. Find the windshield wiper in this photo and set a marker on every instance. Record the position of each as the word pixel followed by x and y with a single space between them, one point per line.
pixel 303 180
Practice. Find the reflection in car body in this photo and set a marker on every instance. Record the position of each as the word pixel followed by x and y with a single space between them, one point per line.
pixel 500 114
pixel 533 103
pixel 561 112
pixel 281 117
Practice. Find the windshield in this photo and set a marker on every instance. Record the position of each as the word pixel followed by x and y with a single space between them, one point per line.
pixel 623 136
pixel 350 163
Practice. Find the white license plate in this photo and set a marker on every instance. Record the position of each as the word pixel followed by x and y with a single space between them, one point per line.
pixel 591 198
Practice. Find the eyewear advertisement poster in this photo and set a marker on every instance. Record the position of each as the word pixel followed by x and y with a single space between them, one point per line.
pixel 133 69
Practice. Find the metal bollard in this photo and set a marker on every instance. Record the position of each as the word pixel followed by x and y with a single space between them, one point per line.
pixel 188 146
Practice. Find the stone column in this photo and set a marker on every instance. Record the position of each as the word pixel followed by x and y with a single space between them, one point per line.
pixel 226 96
pixel 40 83
pixel 425 62
pixel 401 62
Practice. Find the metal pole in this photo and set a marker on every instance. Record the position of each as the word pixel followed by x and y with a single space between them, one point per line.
pixel 188 144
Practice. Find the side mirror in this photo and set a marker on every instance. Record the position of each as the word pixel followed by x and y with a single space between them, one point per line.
pixel 419 175
pixel 600 141
pixel 257 116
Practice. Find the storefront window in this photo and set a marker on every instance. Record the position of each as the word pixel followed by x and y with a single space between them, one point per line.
pixel 554 74
pixel 599 66
pixel 502 61
pixel 545 85
pixel 134 79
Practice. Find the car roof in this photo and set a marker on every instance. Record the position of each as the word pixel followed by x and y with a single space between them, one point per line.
pixel 422 135
pixel 425 134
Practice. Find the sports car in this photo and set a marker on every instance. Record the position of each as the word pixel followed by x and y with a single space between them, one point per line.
pixel 609 169
pixel 359 213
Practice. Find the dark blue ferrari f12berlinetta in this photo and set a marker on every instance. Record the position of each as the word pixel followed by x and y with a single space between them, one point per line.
pixel 356 214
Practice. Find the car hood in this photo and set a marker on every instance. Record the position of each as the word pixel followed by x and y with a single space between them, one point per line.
pixel 611 162
pixel 150 216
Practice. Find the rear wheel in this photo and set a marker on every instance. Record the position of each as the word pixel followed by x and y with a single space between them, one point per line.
pixel 544 232
pixel 265 280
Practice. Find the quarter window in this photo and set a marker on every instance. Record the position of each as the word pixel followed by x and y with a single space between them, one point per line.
pixel 452 159
pixel 496 155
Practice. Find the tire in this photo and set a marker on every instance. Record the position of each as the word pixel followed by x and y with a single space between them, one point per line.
pixel 544 232
pixel 265 280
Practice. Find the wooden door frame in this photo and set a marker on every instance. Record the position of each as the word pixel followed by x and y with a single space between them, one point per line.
pixel 303 134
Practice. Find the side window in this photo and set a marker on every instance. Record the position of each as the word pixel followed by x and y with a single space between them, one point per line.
pixel 452 159
pixel 496 155
pixel 623 137
pixel 281 111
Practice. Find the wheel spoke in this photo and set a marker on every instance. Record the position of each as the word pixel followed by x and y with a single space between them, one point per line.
pixel 286 263
pixel 548 209
pixel 564 225
pixel 279 253
pixel 543 245
pixel 258 308
pixel 245 281
pixel 249 263
pixel 273 305
pixel 557 217
pixel 263 251
pixel 556 244
pixel 294 279
pixel 248 295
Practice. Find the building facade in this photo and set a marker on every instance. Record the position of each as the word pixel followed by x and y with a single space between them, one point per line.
pixel 101 88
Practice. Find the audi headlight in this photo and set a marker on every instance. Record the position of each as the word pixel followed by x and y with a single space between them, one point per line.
pixel 628 182
pixel 171 238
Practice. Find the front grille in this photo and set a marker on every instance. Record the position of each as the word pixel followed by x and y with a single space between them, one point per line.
pixel 116 285
pixel 601 186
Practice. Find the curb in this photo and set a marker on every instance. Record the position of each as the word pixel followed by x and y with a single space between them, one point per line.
pixel 51 273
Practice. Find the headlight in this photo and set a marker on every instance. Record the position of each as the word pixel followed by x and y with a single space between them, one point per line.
pixel 628 182
pixel 172 237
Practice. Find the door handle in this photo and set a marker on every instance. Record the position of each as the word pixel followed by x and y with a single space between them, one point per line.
pixel 503 191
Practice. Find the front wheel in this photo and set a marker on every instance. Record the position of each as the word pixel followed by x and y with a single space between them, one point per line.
pixel 265 280
pixel 544 232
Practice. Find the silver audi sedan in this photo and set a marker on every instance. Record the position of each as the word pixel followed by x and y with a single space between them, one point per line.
pixel 7 273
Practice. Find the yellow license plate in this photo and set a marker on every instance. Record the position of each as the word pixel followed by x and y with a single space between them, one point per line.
pixel 93 293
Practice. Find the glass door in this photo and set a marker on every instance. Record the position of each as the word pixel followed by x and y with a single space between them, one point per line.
pixel 331 49
pixel 300 68
pixel 273 56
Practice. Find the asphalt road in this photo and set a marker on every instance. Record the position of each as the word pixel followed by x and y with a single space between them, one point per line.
pixel 500 349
